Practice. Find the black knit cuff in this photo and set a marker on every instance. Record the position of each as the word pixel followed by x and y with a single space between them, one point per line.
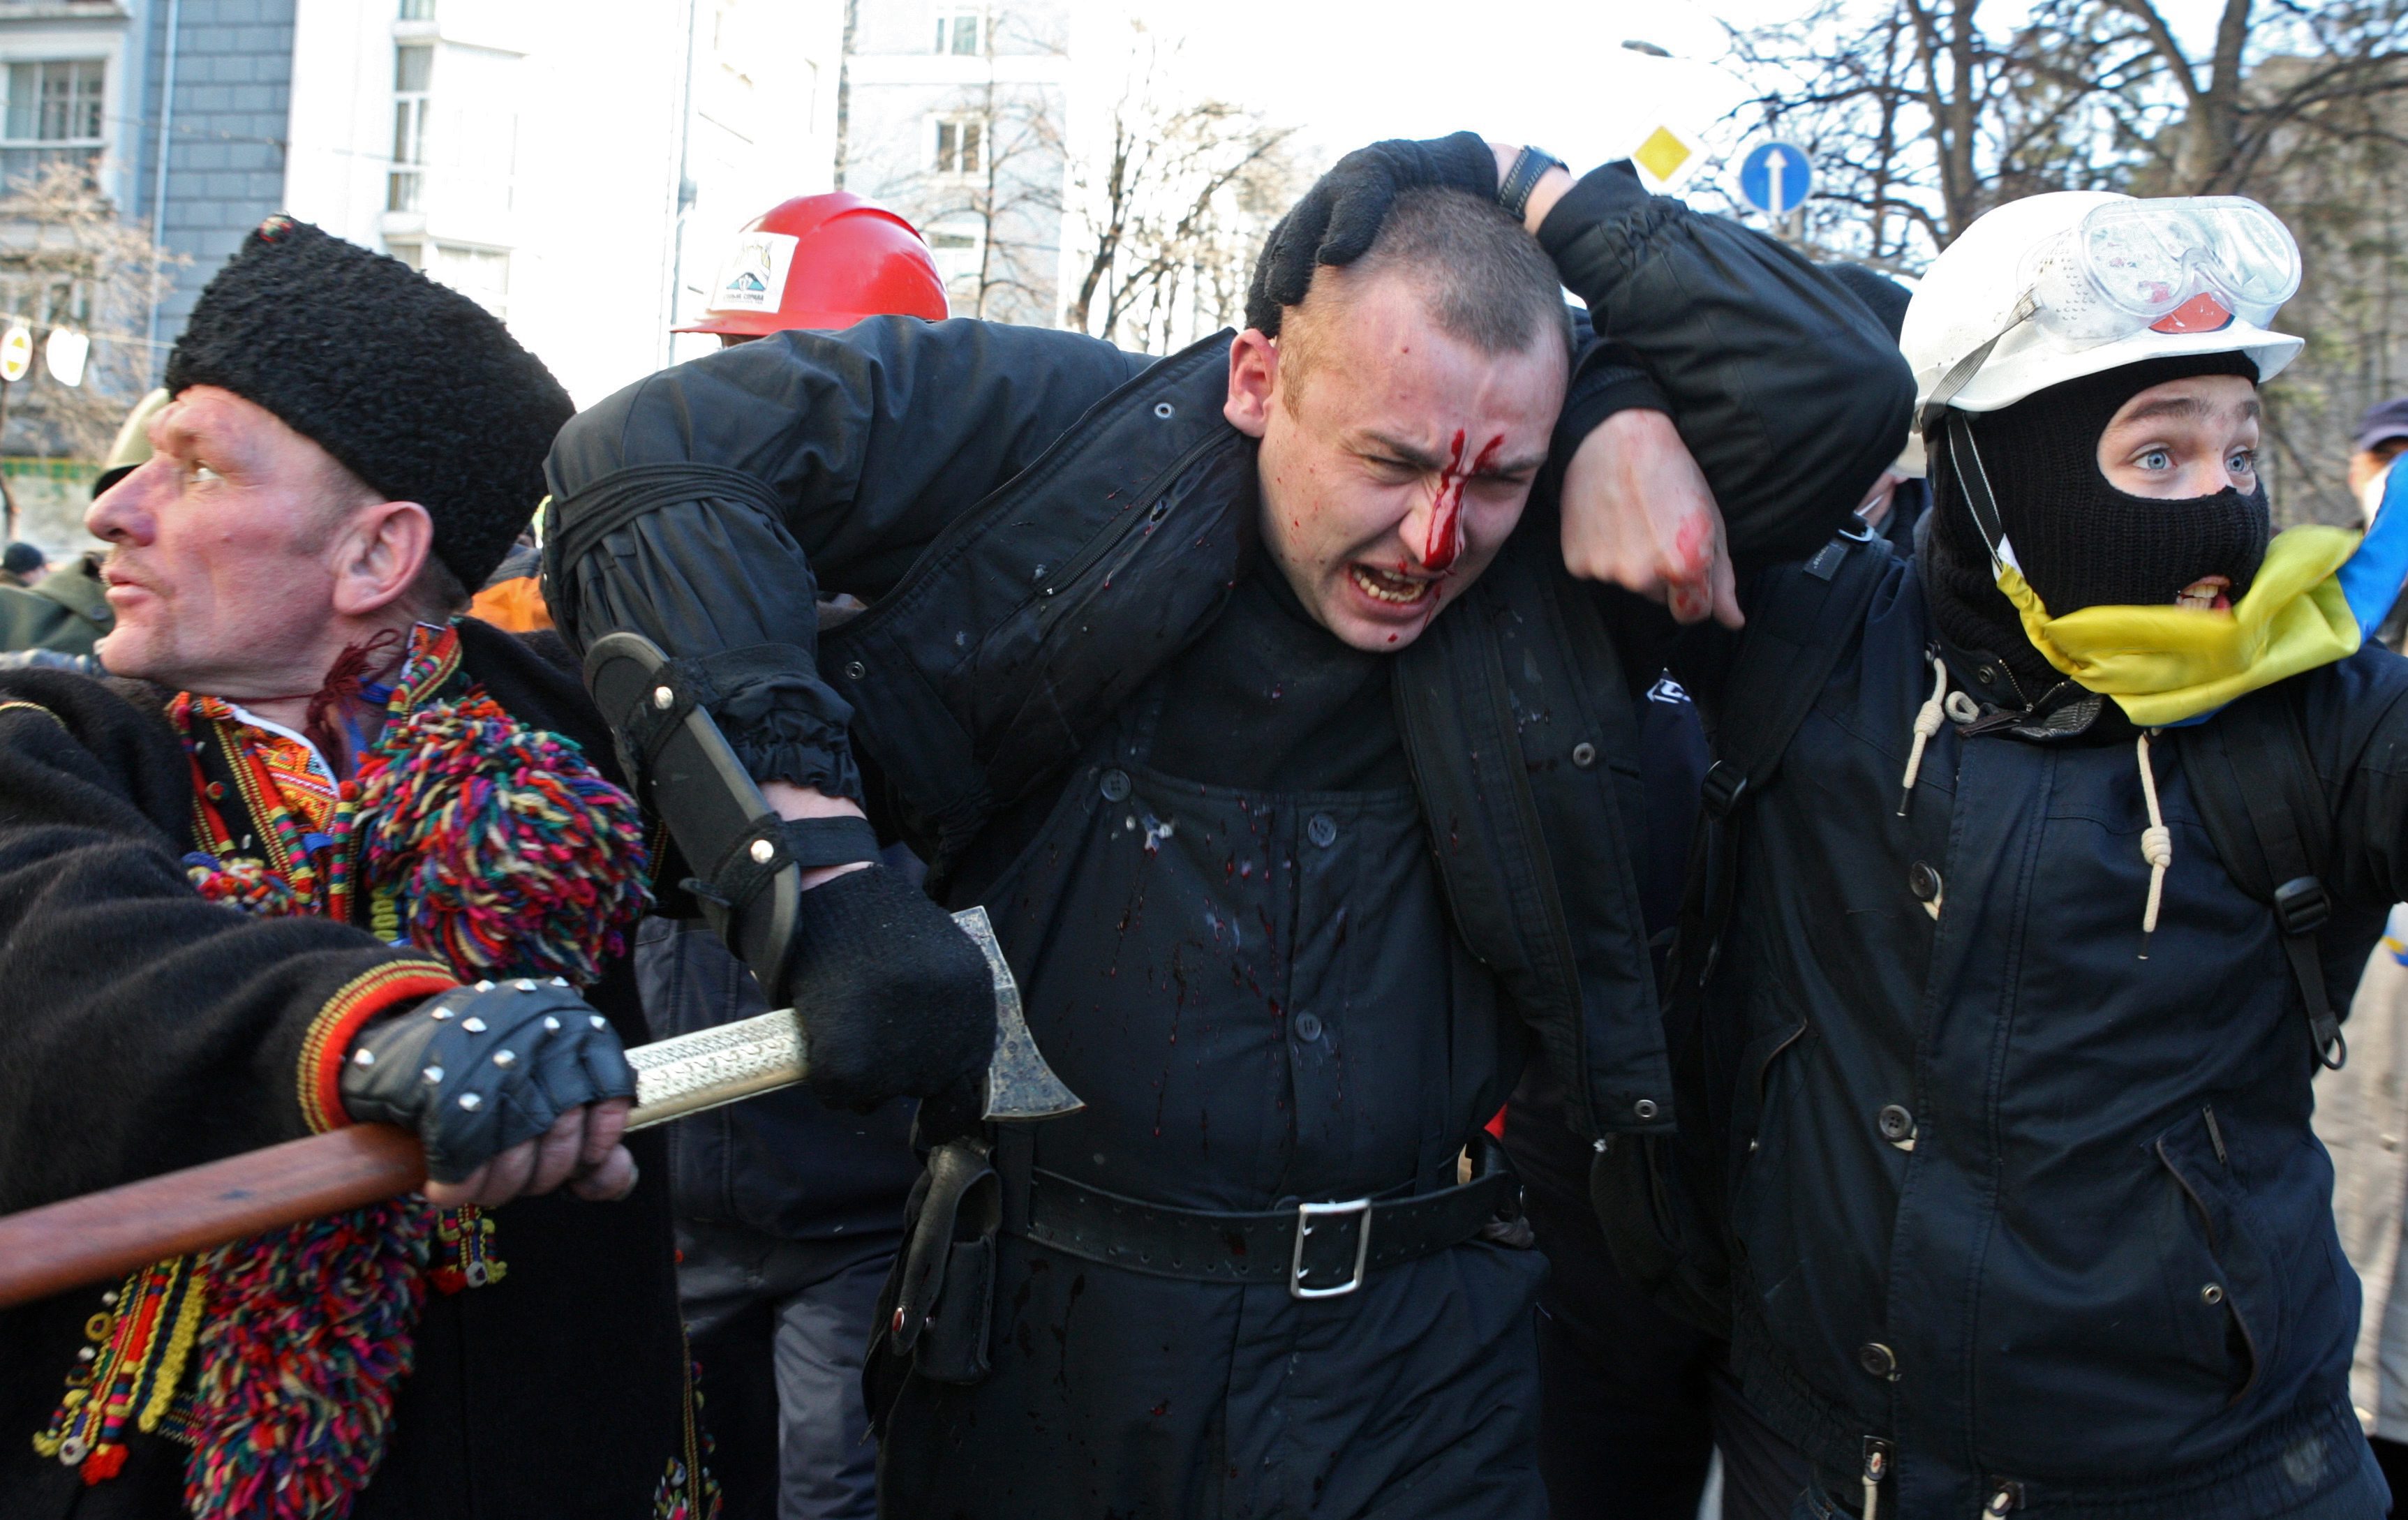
pixel 821 764
pixel 1608 379
pixel 790 726
pixel 1616 383
pixel 1604 191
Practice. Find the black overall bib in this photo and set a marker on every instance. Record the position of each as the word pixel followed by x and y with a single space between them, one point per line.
pixel 1259 994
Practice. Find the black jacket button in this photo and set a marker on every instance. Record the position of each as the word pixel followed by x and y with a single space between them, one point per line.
pixel 1584 754
pixel 1322 830
pixel 1923 881
pixel 1896 1122
pixel 1115 785
pixel 1878 1360
pixel 1308 1027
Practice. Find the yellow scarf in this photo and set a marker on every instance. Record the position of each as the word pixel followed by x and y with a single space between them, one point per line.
pixel 2165 663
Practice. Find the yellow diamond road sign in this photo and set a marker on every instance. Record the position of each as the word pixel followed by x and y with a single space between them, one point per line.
pixel 1667 156
pixel 1663 154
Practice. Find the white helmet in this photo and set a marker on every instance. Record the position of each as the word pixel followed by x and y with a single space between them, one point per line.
pixel 2055 287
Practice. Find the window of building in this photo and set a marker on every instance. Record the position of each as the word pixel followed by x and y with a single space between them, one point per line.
pixel 417 11
pixel 959 144
pixel 481 274
pixel 48 301
pixel 413 70
pixel 959 32
pixel 54 116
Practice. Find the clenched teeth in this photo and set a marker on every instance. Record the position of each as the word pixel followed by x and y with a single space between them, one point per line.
pixel 1396 589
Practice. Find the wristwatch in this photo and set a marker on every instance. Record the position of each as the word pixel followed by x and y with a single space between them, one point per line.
pixel 1530 165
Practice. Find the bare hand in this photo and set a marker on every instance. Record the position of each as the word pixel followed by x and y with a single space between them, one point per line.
pixel 791 801
pixel 581 1148
pixel 1637 514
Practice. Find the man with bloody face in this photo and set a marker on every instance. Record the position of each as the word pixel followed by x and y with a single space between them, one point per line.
pixel 1254 695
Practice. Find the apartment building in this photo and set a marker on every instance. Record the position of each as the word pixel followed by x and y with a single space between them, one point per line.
pixel 957 115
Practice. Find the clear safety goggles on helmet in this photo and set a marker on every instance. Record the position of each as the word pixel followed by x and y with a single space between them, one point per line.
pixel 2131 266
pixel 2192 265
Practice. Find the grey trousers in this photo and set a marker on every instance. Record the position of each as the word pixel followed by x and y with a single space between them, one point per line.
pixel 780 1329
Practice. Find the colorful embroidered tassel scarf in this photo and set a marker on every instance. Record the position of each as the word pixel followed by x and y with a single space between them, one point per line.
pixel 489 845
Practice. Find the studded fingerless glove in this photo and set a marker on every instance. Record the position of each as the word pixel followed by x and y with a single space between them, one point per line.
pixel 479 1069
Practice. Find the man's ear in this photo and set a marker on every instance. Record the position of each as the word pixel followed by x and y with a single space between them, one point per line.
pixel 379 555
pixel 1253 381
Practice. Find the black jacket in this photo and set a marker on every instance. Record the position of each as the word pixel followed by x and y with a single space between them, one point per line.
pixel 143 1029
pixel 1040 520
pixel 2042 1214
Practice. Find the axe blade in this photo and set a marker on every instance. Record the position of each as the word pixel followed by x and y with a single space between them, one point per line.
pixel 730 1062
pixel 1019 1083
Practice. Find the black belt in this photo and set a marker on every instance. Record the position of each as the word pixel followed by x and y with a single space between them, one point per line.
pixel 1292 1246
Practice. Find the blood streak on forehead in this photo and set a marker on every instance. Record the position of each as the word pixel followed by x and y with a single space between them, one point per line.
pixel 1443 544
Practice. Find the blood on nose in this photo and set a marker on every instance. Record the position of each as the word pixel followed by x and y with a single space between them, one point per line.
pixel 1443 544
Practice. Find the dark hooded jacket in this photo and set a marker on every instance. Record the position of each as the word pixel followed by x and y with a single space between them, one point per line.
pixel 2027 1212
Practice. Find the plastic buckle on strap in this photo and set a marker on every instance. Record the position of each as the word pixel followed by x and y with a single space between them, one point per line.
pixel 1305 1214
pixel 1724 785
pixel 2301 905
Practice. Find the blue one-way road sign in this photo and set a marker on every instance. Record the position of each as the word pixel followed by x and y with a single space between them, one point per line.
pixel 1775 178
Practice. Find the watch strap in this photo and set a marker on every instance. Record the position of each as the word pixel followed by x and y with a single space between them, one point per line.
pixel 1530 165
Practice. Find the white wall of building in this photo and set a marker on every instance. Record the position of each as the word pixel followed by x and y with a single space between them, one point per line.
pixel 907 78
pixel 574 182
pixel 762 130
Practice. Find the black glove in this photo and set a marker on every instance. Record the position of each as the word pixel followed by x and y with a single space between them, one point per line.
pixel 481 1069
pixel 894 999
pixel 1339 216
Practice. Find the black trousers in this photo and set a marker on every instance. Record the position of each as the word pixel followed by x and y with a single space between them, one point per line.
pixel 2393 1457
pixel 1626 1421
pixel 1633 1402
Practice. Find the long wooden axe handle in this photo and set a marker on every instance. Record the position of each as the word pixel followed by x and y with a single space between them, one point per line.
pixel 102 1236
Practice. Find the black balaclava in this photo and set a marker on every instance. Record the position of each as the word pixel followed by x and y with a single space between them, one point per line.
pixel 2080 541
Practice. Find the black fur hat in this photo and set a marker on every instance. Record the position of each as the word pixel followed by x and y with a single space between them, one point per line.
pixel 415 388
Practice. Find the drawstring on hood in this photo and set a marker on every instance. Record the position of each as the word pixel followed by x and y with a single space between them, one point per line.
pixel 1928 720
pixel 2157 845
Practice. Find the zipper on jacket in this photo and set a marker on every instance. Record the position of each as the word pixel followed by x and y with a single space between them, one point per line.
pixel 1103 543
pixel 2006 1497
pixel 1117 536
pixel 2215 1135
pixel 1876 1469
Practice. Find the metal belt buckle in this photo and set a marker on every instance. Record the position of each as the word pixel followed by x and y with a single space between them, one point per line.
pixel 1305 1214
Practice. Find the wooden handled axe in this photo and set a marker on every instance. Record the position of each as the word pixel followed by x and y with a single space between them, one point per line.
pixel 102 1236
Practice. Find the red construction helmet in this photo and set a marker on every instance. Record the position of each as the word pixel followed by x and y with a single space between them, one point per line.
pixel 824 262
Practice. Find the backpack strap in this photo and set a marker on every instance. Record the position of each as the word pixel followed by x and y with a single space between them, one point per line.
pixel 2266 810
pixel 1805 617
pixel 1661 1203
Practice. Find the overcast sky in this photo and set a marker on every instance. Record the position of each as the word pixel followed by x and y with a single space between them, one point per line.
pixel 1552 72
